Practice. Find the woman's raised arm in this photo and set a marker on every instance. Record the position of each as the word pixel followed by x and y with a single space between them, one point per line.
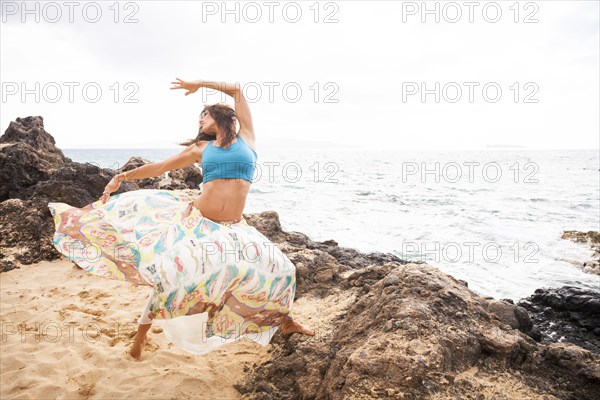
pixel 242 109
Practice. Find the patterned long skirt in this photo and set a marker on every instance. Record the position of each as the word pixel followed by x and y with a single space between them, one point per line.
pixel 211 283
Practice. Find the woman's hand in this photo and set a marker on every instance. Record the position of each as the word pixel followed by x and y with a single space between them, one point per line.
pixel 112 186
pixel 191 87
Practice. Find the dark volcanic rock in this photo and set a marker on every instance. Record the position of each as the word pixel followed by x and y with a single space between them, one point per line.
pixel 30 131
pixel 27 225
pixel 74 183
pixel 34 172
pixel 566 314
pixel 355 259
pixel 27 229
pixel 28 154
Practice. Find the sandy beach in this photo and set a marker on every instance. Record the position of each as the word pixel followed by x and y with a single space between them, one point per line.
pixel 76 337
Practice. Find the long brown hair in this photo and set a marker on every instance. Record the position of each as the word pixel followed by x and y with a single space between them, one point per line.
pixel 225 117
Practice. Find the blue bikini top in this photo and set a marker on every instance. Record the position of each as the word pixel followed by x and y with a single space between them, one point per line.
pixel 236 161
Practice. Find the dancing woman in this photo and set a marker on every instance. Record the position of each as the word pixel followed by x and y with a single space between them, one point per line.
pixel 200 256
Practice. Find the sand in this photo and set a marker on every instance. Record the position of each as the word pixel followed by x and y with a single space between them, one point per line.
pixel 66 335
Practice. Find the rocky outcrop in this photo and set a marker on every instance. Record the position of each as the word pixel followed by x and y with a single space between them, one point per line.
pixel 34 172
pixel 592 238
pixel 410 331
pixel 26 231
pixel 28 154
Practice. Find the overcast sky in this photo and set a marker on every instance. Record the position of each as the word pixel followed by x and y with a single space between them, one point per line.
pixel 361 69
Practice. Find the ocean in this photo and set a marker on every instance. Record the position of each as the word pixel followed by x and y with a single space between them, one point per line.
pixel 493 218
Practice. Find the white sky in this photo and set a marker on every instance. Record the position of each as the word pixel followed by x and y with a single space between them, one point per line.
pixel 367 55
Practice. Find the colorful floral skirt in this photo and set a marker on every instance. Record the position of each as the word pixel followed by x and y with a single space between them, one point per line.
pixel 212 283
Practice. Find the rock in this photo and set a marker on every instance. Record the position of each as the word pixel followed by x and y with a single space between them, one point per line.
pixel 27 155
pixel 525 322
pixel 188 177
pixel 390 280
pixel 75 184
pixel 21 167
pixel 134 162
pixel 592 238
pixel 324 271
pixel 27 225
pixel 353 258
pixel 27 229
pixel 567 314
pixel 401 339
pixel 263 386
pixel 30 131
pixel 573 358
pixel 496 340
pixel 268 224
pixel 34 172
pixel 7 265
pixel 514 316
pixel 401 335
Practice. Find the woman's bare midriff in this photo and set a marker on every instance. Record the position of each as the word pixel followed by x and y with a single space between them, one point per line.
pixel 223 199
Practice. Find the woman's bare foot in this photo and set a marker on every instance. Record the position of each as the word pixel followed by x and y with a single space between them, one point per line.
pixel 137 346
pixel 291 326
pixel 139 339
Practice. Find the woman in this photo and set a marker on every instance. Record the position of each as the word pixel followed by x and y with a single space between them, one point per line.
pixel 200 256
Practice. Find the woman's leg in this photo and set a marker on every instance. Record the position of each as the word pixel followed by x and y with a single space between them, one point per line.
pixel 145 322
